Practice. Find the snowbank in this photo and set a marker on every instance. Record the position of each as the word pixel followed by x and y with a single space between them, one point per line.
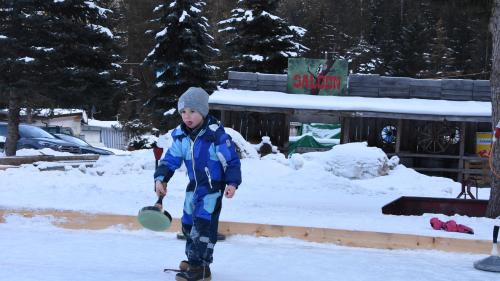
pixel 354 161
pixel 44 151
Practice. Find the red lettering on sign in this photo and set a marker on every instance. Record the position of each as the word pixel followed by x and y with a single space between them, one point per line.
pixel 297 82
pixel 323 82
pixel 305 82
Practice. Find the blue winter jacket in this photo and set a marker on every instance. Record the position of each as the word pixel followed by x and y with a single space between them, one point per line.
pixel 216 162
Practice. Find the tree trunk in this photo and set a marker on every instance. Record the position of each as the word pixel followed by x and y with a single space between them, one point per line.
pixel 493 209
pixel 13 124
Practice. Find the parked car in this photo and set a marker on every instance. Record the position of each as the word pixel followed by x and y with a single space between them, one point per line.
pixel 2 143
pixel 35 138
pixel 85 148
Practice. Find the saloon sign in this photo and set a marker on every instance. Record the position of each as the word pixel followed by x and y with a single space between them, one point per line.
pixel 317 77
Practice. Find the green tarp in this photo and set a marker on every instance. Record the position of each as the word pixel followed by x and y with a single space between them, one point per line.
pixel 315 136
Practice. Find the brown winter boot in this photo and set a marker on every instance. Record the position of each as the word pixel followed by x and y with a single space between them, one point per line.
pixel 195 273
pixel 184 266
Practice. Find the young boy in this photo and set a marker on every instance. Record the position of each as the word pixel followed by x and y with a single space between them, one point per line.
pixel 213 168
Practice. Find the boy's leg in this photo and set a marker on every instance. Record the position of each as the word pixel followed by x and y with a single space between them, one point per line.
pixel 187 222
pixel 186 230
pixel 204 232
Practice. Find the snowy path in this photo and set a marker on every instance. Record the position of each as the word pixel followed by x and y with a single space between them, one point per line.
pixel 32 249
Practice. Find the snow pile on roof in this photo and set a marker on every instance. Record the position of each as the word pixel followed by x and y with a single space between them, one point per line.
pixel 350 103
pixel 104 124
pixel 353 161
pixel 47 112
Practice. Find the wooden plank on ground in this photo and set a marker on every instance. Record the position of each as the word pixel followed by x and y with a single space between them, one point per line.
pixel 19 160
pixel 5 167
pixel 351 238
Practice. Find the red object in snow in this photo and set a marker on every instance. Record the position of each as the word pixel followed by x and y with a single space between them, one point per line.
pixel 497 130
pixel 436 224
pixel 450 226
pixel 158 151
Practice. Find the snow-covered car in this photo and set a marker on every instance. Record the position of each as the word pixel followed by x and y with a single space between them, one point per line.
pixel 36 138
pixel 85 147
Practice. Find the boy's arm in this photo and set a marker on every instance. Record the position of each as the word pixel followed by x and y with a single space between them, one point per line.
pixel 226 152
pixel 171 162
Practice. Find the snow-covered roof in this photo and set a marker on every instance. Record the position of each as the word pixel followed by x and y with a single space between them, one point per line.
pixel 104 124
pixel 51 113
pixel 351 103
pixel 48 112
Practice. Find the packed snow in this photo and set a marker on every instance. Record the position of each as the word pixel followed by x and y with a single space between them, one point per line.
pixel 343 188
pixel 33 249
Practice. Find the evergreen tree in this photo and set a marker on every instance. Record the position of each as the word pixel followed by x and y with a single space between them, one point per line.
pixel 442 57
pixel 411 48
pixel 363 57
pixel 85 64
pixel 56 53
pixel 181 56
pixel 260 41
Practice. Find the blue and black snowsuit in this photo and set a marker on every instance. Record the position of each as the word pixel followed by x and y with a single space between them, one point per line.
pixel 212 162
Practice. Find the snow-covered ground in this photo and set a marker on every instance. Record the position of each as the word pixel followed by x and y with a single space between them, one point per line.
pixel 36 250
pixel 343 188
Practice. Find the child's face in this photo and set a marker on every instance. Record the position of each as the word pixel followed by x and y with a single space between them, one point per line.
pixel 191 117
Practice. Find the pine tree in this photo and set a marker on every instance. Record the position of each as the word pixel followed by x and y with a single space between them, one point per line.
pixel 55 53
pixel 85 63
pixel 260 41
pixel 182 53
pixel 363 57
pixel 411 48
pixel 442 57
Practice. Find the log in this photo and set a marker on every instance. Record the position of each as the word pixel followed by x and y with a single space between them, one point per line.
pixel 19 160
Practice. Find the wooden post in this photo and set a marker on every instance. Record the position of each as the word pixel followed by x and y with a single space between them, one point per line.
pixel 286 133
pixel 399 133
pixel 222 116
pixel 345 130
pixel 461 153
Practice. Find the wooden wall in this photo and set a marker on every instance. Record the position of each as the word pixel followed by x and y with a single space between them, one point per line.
pixel 254 125
pixel 257 81
pixel 404 87
pixel 377 86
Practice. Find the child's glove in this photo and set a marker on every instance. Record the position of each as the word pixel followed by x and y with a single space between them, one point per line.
pixel 160 188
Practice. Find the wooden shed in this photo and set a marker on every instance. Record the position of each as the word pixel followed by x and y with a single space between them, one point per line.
pixel 431 124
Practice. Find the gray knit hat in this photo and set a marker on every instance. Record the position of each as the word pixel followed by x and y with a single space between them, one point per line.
pixel 194 98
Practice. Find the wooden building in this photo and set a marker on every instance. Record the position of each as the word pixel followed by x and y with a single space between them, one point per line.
pixel 430 124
